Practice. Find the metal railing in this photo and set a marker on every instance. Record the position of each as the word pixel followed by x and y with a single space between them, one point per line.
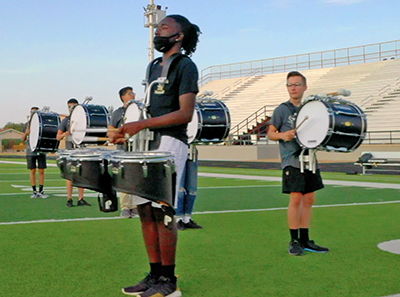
pixel 323 59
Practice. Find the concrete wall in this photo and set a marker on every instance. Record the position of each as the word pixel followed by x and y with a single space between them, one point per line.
pixel 271 153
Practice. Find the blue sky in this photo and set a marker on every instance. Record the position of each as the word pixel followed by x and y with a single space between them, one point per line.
pixel 52 50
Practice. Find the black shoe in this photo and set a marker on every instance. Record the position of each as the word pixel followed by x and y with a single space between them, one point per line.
pixel 70 203
pixel 83 202
pixel 312 247
pixel 181 225
pixel 295 248
pixel 141 287
pixel 192 225
pixel 164 287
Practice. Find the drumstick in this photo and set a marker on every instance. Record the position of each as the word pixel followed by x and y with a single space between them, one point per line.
pixel 95 139
pixel 100 130
pixel 305 118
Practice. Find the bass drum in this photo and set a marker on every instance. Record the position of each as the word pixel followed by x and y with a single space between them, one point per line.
pixel 85 119
pixel 43 127
pixel 210 123
pixel 333 124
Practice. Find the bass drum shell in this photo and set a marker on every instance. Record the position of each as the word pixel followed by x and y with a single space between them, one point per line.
pixel 333 125
pixel 43 131
pixel 210 122
pixel 85 117
pixel 150 175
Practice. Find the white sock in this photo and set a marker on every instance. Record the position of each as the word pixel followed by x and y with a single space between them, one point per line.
pixel 186 219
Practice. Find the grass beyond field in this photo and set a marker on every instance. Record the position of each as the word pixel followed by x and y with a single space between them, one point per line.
pixel 51 250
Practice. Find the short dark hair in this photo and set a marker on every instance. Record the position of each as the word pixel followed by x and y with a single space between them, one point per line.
pixel 73 100
pixel 123 91
pixel 34 107
pixel 296 73
pixel 190 31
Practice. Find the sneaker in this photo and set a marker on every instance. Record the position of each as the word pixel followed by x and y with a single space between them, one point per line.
pixel 70 203
pixel 126 213
pixel 163 288
pixel 83 202
pixel 295 248
pixel 35 195
pixel 43 195
pixel 312 247
pixel 192 225
pixel 134 212
pixel 141 287
pixel 181 225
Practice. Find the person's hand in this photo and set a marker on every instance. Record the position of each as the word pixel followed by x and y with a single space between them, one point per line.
pixel 288 135
pixel 66 134
pixel 126 131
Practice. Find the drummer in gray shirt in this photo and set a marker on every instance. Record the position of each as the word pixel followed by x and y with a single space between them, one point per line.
pixel 63 132
pixel 126 94
pixel 300 185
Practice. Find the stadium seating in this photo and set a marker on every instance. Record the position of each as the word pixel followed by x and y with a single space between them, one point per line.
pixel 375 88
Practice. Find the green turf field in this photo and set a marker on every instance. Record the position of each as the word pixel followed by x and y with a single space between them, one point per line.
pixel 50 250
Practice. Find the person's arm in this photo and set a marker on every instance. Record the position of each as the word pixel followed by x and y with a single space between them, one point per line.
pixel 275 135
pixel 24 136
pixel 61 134
pixel 181 116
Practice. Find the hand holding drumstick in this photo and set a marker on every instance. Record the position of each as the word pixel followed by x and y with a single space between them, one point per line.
pixel 289 135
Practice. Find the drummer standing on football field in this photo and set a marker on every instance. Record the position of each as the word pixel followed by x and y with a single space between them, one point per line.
pixel 63 132
pixel 31 158
pixel 126 94
pixel 171 109
pixel 300 186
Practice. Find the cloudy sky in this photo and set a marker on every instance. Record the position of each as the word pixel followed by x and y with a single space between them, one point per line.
pixel 52 50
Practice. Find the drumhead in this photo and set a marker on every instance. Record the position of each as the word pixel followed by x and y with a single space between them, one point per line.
pixel 78 124
pixel 193 126
pixel 34 127
pixel 314 130
pixel 132 112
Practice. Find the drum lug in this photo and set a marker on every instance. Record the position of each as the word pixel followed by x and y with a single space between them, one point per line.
pixel 117 170
pixel 167 170
pixel 145 170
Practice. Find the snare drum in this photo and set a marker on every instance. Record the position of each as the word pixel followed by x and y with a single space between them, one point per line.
pixel 62 156
pixel 333 124
pixel 43 131
pixel 89 122
pixel 150 175
pixel 88 169
pixel 211 122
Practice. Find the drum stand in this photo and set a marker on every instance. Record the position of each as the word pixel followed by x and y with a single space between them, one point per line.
pixel 309 161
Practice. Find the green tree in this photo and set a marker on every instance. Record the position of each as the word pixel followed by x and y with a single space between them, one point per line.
pixel 15 126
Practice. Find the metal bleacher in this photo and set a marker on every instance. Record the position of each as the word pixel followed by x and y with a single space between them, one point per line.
pixel 374 82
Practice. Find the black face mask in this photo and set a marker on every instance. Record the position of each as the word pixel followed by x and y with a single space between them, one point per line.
pixel 162 44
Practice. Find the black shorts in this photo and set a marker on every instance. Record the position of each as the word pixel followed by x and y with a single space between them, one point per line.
pixel 295 181
pixel 41 161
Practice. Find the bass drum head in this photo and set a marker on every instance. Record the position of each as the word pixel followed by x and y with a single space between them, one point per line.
pixel 314 130
pixel 193 126
pixel 78 124
pixel 34 127
pixel 132 113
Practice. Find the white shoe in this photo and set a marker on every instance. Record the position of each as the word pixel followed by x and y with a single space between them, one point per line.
pixel 35 195
pixel 43 195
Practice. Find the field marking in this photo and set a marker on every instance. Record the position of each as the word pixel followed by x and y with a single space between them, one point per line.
pixel 326 181
pixel 201 212
pixel 24 163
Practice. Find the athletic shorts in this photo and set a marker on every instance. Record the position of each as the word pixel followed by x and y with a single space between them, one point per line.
pixel 295 181
pixel 41 161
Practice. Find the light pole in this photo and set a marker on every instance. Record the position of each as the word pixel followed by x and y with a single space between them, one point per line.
pixel 154 14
